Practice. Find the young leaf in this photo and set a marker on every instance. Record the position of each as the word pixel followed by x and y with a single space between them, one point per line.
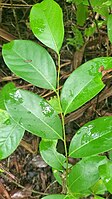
pixel 31 62
pixel 34 114
pixel 46 21
pixel 83 84
pixel 54 102
pixel 93 138
pixel 106 175
pixel 85 174
pixel 109 27
pixel 10 135
pixel 50 155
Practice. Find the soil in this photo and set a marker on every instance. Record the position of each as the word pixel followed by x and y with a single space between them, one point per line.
pixel 25 174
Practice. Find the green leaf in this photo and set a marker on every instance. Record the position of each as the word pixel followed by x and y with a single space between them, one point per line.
pixel 102 11
pixel 85 174
pixel 76 41
pixel 50 155
pixel 6 89
pixel 55 196
pixel 83 84
pixel 31 62
pixel 46 21
pixel 54 102
pixel 109 27
pixel 98 197
pixel 34 114
pixel 106 175
pixel 2 106
pixel 90 30
pixel 101 7
pixel 81 14
pixel 10 135
pixel 57 174
pixel 93 138
pixel 59 196
pixel 99 188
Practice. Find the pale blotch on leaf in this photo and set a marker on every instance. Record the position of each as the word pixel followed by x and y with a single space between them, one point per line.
pixel 47 110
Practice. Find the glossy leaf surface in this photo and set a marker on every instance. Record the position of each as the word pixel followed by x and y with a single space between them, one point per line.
pixel 34 114
pixel 46 21
pixel 93 138
pixel 109 27
pixel 31 62
pixel 106 175
pixel 83 84
pixel 10 134
pixel 85 174
pixel 50 155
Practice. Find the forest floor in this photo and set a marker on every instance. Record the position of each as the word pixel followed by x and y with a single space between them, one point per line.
pixel 25 174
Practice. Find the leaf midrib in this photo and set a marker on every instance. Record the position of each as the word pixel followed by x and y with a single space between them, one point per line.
pixel 76 96
pixel 35 69
pixel 26 108
pixel 55 45
pixel 87 144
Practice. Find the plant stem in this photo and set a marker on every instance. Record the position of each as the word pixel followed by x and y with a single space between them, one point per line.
pixel 93 16
pixel 58 78
pixel 63 125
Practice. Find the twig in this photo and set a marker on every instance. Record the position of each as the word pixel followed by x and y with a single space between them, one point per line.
pixel 16 21
pixel 8 5
pixel 94 16
pixel 19 185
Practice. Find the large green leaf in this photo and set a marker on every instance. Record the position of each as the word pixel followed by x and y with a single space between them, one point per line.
pixel 85 174
pixel 83 84
pixel 34 114
pixel 31 62
pixel 93 138
pixel 106 175
pixel 109 27
pixel 50 155
pixel 10 134
pixel 46 21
